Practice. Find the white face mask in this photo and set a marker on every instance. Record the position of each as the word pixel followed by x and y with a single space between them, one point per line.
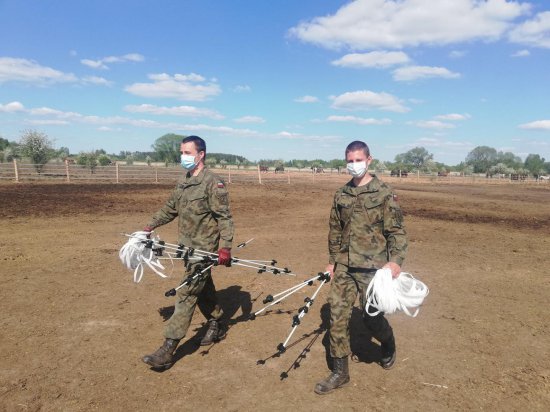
pixel 188 162
pixel 357 169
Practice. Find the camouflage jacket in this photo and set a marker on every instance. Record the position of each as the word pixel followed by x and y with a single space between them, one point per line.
pixel 366 226
pixel 201 204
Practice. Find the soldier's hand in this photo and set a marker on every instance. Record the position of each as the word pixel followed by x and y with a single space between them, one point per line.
pixel 330 269
pixel 224 256
pixel 394 267
pixel 148 229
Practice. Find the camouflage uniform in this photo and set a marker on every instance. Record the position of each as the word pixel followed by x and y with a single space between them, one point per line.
pixel 366 232
pixel 201 204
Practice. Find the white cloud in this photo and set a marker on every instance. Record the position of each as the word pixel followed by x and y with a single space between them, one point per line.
pixel 422 72
pixel 189 111
pixel 453 116
pixel 366 100
pixel 242 89
pixel 250 119
pixel 100 63
pixel 378 59
pixel 433 124
pixel 11 107
pixel 306 99
pixel 457 54
pixel 23 70
pixel 49 122
pixel 100 81
pixel 374 24
pixel 358 120
pixel 536 125
pixel 535 32
pixel 180 86
pixel 521 53
pixel 94 64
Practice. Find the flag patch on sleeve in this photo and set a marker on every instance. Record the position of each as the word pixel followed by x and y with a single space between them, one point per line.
pixel 220 185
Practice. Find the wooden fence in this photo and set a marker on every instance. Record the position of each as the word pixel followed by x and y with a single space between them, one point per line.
pixel 119 173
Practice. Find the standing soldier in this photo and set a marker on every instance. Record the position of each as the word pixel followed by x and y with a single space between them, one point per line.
pixel 201 203
pixel 366 233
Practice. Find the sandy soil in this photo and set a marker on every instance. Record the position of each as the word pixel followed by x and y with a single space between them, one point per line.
pixel 74 325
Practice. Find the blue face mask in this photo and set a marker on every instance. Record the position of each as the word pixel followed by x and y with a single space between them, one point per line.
pixel 188 162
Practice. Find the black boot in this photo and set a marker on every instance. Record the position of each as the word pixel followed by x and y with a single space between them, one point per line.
pixel 216 332
pixel 162 358
pixel 338 377
pixel 388 353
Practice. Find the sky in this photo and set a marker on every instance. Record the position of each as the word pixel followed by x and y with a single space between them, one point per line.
pixel 279 79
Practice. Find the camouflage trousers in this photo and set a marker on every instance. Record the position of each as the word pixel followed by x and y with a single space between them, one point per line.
pixel 346 284
pixel 202 292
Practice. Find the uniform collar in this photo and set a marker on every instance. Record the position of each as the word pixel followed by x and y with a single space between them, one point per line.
pixel 194 180
pixel 371 187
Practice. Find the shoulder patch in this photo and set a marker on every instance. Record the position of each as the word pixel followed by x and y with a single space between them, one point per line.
pixel 395 198
pixel 220 185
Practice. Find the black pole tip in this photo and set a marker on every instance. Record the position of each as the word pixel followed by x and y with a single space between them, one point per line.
pixel 281 348
pixel 171 292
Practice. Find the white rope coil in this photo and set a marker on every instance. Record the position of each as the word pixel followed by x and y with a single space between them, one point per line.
pixel 391 295
pixel 135 255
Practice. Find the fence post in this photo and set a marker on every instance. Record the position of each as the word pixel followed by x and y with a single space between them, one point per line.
pixel 417 176
pixel 259 175
pixel 67 170
pixel 288 173
pixel 156 174
pixel 16 171
pixel 229 168
pixel 116 168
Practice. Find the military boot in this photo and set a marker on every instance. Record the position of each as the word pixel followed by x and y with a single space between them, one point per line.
pixel 338 377
pixel 388 353
pixel 216 332
pixel 162 358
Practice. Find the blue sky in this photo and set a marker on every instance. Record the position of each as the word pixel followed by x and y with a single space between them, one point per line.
pixel 279 79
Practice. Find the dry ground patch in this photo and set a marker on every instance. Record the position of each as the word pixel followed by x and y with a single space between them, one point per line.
pixel 74 326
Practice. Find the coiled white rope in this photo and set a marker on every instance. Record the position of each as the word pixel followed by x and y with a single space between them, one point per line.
pixel 135 255
pixel 390 295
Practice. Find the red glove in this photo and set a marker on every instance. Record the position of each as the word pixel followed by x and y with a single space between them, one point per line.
pixel 147 229
pixel 224 256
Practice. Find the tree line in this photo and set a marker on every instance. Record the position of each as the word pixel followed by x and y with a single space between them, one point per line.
pixel 38 148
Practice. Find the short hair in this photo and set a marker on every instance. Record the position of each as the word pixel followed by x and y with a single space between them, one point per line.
pixel 200 144
pixel 358 145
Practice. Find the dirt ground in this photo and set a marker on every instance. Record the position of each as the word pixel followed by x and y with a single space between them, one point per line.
pixel 74 326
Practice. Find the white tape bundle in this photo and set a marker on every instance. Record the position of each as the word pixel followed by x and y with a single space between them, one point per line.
pixel 390 295
pixel 134 255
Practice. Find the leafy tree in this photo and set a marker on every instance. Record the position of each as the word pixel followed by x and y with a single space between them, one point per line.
pixel 210 161
pixel 482 158
pixel 509 159
pixel 500 169
pixel 4 143
pixel 62 152
pixel 103 160
pixel 129 160
pixel 416 158
pixel 36 146
pixel 535 164
pixel 88 159
pixel 167 147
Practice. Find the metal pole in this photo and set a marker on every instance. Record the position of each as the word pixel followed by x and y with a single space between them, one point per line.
pixel 229 168
pixel 116 168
